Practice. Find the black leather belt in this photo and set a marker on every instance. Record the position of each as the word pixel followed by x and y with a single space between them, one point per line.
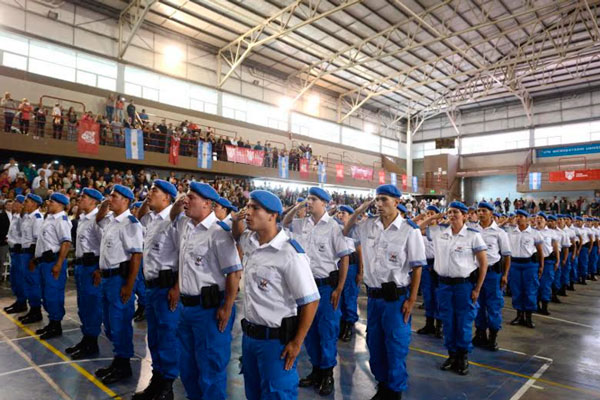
pixel 322 281
pixel 522 260
pixel 46 257
pixel 446 280
pixel 88 259
pixel 586 246
pixel 260 332
pixel 29 250
pixel 193 301
pixel 377 293
pixel 497 267
pixel 17 248
pixel 120 270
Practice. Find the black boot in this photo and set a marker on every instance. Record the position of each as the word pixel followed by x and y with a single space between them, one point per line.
pixel 519 320
pixel 165 391
pixel 480 339
pixel 53 330
pixel 326 384
pixel 562 291
pixel 313 379
pixel 492 340
pixel 428 329
pixel 120 371
pixel 582 280
pixel 15 308
pixel 348 332
pixel 139 314
pixel 528 321
pixel 382 392
pixel 555 298
pixel 450 362
pixel 88 349
pixel 508 291
pixel 571 286
pixel 34 315
pixel 152 388
pixel 544 309
pixel 44 329
pixel 342 329
pixel 592 277
pixel 438 328
pixel 462 363
pixel 74 348
pixel 102 372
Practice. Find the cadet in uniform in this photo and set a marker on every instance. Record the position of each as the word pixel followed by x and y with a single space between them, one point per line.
pixel 564 243
pixel 161 254
pixel 572 277
pixel 87 258
pixel 461 265
pixel 562 283
pixel 526 270
pixel 120 256
pixel 593 227
pixel 31 225
pixel 393 254
pixel 584 250
pixel 324 242
pixel 209 276
pixel 223 208
pixel 551 249
pixel 140 285
pixel 280 300
pixel 17 273
pixel 491 301
pixel 51 249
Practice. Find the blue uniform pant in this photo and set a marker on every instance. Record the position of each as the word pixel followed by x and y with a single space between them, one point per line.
pixel 17 277
pixel 388 338
pixel 583 262
pixel 89 300
pixel 321 339
pixel 428 287
pixel 139 288
pixel 162 333
pixel 593 263
pixel 265 377
pixel 557 283
pixel 349 298
pixel 53 290
pixel 33 279
pixel 566 271
pixel 117 317
pixel 457 312
pixel 524 284
pixel 491 301
pixel 574 272
pixel 545 289
pixel 204 353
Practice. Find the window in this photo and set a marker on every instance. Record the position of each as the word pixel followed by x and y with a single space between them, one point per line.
pixel 389 147
pixel 495 142
pixel 568 133
pixel 315 128
pixel 57 55
pixel 254 112
pixel 362 140
pixel 14 61
pixel 14 43
pixel 86 78
pixel 422 149
pixel 52 70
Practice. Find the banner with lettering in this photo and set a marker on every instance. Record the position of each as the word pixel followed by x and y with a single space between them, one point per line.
pixel 88 137
pixel 243 155
pixel 404 182
pixel 381 177
pixel 361 173
pixel 575 175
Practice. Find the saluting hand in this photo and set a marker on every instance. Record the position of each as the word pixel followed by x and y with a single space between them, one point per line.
pixel 290 352
pixel 238 216
pixel 364 206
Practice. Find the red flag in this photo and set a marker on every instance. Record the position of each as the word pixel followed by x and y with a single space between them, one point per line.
pixel 88 137
pixel 404 182
pixel 339 172
pixel 381 177
pixel 304 168
pixel 174 151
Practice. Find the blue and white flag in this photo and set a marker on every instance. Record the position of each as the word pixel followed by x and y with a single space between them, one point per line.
pixel 322 173
pixel 415 184
pixel 284 171
pixel 535 180
pixel 134 144
pixel 204 155
pixel 393 179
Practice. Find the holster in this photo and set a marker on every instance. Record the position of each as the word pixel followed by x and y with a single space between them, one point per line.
pixel 474 277
pixel 124 269
pixel 334 278
pixel 435 278
pixel 288 329
pixel 390 291
pixel 210 296
pixel 166 278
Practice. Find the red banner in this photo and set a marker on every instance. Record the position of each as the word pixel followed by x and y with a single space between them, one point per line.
pixel 339 172
pixel 404 182
pixel 245 156
pixel 88 137
pixel 381 177
pixel 577 175
pixel 304 168
pixel 174 151
pixel 362 173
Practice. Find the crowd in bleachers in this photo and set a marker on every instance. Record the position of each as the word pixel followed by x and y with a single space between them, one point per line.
pixel 581 206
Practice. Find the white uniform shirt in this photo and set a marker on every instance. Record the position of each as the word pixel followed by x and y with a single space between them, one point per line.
pixel 390 254
pixel 523 243
pixel 565 239
pixel 455 254
pixel 89 234
pixel 323 242
pixel 496 241
pixel 31 225
pixel 122 236
pixel 550 236
pixel 161 244
pixel 429 251
pixel 583 233
pixel 55 230
pixel 14 231
pixel 207 253
pixel 278 279
pixel 571 234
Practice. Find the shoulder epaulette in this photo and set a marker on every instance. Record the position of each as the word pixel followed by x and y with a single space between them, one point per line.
pixel 223 225
pixel 38 215
pixel 296 246
pixel 133 219
pixel 472 230
pixel 412 223
pixel 65 218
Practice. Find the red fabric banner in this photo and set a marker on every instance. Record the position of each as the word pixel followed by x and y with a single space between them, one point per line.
pixel 245 156
pixel 381 177
pixel 576 175
pixel 88 137
pixel 304 168
pixel 362 173
pixel 174 151
pixel 339 172
pixel 404 182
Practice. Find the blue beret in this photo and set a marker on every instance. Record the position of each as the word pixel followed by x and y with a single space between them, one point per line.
pixel 552 218
pixel 485 204
pixel 320 193
pixel 20 198
pixel 124 191
pixel 166 187
pixel 346 208
pixel 35 198
pixel 267 200
pixel 522 212
pixel 433 208
pixel 578 219
pixel 589 219
pixel 471 208
pixel 497 214
pixel 93 193
pixel 204 190
pixel 542 214
pixel 299 199
pixel 388 190
pixel 567 216
pixel 458 205
pixel 137 204
pixel 60 198
pixel 227 204
pixel 511 214
pixel 503 215
pixel 402 208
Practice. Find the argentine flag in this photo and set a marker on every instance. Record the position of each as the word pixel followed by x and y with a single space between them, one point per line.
pixel 204 155
pixel 322 173
pixel 134 144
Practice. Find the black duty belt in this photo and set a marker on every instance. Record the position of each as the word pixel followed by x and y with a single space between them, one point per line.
pixel 522 260
pixel 16 249
pixel 322 281
pixel 122 270
pixel 377 293
pixel 193 301
pixel 260 332
pixel 88 259
pixel 497 267
pixel 586 246
pixel 446 280
pixel 29 250
pixel 46 257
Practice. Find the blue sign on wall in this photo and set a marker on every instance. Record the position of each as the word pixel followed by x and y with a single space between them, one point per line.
pixel 569 150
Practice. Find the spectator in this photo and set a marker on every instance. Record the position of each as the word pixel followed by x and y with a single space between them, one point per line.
pixel 25 110
pixel 119 105
pixel 40 121
pixel 110 107
pixel 506 205
pixel 131 112
pixel 257 146
pixel 12 168
pixel 117 132
pixel 71 124
pixel 42 189
pixel 268 160
pixel 143 115
pixel 38 179
pixel 29 171
pixel 56 122
pixel 10 108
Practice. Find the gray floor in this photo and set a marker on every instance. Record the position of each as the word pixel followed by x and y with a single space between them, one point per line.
pixel 558 360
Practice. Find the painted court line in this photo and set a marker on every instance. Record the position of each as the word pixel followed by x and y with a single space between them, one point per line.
pixel 31 337
pixel 63 357
pixel 530 382
pixel 556 319
pixel 16 371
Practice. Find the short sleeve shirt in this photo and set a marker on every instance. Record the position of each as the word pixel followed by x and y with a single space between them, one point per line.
pixel 455 254
pixel 121 237
pixel 56 229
